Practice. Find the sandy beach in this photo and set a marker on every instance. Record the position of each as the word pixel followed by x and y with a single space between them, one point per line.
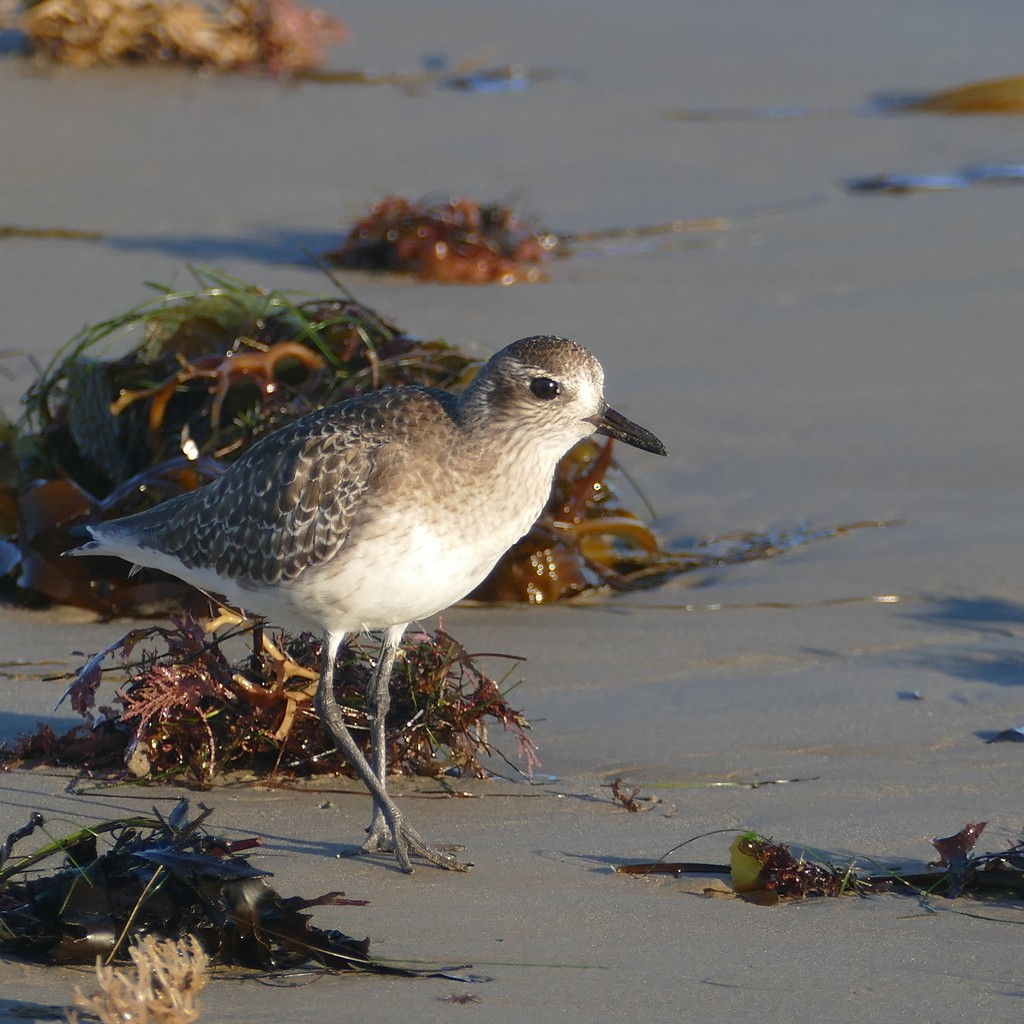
pixel 832 358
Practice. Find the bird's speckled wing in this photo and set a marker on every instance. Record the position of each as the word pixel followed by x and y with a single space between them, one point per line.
pixel 290 502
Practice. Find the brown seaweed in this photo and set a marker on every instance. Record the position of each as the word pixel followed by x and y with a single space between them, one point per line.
pixel 189 711
pixel 279 36
pixel 625 797
pixel 454 241
pixel 166 877
pixel 955 850
pixel 463 241
pixel 764 871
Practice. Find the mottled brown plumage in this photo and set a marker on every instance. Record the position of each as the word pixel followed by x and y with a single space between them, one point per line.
pixel 290 503
pixel 378 511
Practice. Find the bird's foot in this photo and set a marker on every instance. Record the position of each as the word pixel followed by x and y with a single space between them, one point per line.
pixel 404 840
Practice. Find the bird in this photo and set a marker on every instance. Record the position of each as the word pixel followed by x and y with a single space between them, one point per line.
pixel 377 511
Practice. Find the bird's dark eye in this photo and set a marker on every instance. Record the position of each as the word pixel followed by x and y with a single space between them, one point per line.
pixel 544 387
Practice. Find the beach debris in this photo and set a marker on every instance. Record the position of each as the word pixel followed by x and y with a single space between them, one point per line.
pixel 624 797
pixel 167 878
pixel 189 711
pixel 451 240
pixel 279 36
pixel 766 872
pixel 460 999
pixel 954 850
pixel 991 96
pixel 671 867
pixel 457 240
pixel 283 37
pixel 163 985
pixel 905 184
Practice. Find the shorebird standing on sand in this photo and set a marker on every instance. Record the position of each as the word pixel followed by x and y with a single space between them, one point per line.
pixel 377 511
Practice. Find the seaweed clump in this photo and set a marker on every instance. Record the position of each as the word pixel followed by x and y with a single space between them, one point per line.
pixel 766 872
pixel 279 36
pixel 451 240
pixel 216 368
pixel 163 878
pixel 189 711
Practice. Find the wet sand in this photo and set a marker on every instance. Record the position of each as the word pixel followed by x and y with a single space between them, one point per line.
pixel 856 357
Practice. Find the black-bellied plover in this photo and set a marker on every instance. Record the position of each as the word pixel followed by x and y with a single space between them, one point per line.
pixel 380 510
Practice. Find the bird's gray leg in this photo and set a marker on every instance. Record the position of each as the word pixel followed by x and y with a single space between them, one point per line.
pixel 378 701
pixel 404 837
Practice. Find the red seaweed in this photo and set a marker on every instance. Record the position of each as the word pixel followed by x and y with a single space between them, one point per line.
pixel 454 241
pixel 191 711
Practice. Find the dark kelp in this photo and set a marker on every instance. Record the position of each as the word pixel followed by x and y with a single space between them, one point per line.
pixel 168 877
pixel 188 711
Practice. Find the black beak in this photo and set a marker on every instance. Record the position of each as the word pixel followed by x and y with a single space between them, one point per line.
pixel 614 424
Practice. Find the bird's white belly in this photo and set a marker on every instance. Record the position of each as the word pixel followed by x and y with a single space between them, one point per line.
pixel 408 572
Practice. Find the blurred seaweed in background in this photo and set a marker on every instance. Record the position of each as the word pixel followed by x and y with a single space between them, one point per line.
pixel 452 240
pixel 279 36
